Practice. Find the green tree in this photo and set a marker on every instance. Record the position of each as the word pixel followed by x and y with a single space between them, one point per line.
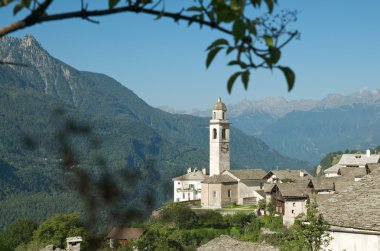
pixel 271 208
pixel 252 41
pixel 311 229
pixel 56 229
pixel 19 232
pixel 210 218
pixel 177 215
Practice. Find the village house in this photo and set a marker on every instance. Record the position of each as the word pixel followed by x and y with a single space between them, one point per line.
pixel 250 185
pixel 290 199
pixel 354 215
pixel 219 191
pixel 188 186
pixel 120 236
pixel 285 176
pixel 356 160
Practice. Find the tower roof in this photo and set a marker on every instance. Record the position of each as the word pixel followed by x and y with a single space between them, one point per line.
pixel 219 105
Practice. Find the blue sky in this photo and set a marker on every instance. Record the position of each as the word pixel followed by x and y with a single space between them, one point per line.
pixel 164 62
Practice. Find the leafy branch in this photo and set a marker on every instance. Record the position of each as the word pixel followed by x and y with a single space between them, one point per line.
pixel 256 42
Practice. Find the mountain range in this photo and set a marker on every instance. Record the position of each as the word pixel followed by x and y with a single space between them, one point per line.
pixel 309 129
pixel 130 133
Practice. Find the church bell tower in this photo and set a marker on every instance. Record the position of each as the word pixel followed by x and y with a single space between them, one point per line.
pixel 219 139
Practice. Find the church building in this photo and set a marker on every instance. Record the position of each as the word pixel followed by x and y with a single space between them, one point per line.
pixel 222 186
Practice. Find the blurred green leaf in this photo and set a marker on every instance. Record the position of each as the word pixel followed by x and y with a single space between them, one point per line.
pixel 289 75
pixel 211 55
pixel 26 3
pixel 240 63
pixel 268 40
pixel 17 8
pixel 237 5
pixel 230 49
pixel 238 29
pixel 231 81
pixel 275 54
pixel 112 3
pixel 256 3
pixel 218 42
pixel 252 28
pixel 270 4
pixel 245 79
pixel 194 8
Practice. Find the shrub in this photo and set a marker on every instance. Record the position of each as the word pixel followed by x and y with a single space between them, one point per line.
pixel 210 219
pixel 177 215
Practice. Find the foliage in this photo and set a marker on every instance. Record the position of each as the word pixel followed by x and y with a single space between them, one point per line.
pixel 56 229
pixel 253 41
pixel 178 215
pixel 311 229
pixel 262 204
pixel 271 208
pixel 210 218
pixel 239 219
pixel 19 232
pixel 273 223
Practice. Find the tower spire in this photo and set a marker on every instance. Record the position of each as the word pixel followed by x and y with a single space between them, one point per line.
pixel 219 139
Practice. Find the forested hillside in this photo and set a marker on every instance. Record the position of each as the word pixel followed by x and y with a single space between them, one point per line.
pixel 36 100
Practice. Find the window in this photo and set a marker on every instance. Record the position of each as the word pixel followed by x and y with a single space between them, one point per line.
pixel 188 195
pixel 294 204
pixel 292 211
pixel 177 199
pixel 214 194
pixel 214 134
pixel 179 183
pixel 223 133
pixel 191 186
pixel 229 193
pixel 183 195
pixel 223 115
pixel 214 115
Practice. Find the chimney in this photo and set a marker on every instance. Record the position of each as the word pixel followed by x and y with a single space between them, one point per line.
pixel 302 174
pixel 189 170
pixel 368 152
pixel 204 171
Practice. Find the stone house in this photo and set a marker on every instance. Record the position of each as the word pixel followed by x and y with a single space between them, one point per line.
pixel 250 185
pixel 284 176
pixel 356 160
pixel 120 236
pixel 241 187
pixel 290 199
pixel 219 191
pixel 354 215
pixel 188 186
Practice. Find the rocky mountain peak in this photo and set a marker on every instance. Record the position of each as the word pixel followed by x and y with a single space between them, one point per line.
pixel 28 40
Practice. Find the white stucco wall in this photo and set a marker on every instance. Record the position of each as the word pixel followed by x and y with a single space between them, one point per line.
pixel 354 241
pixel 182 191
pixel 292 210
